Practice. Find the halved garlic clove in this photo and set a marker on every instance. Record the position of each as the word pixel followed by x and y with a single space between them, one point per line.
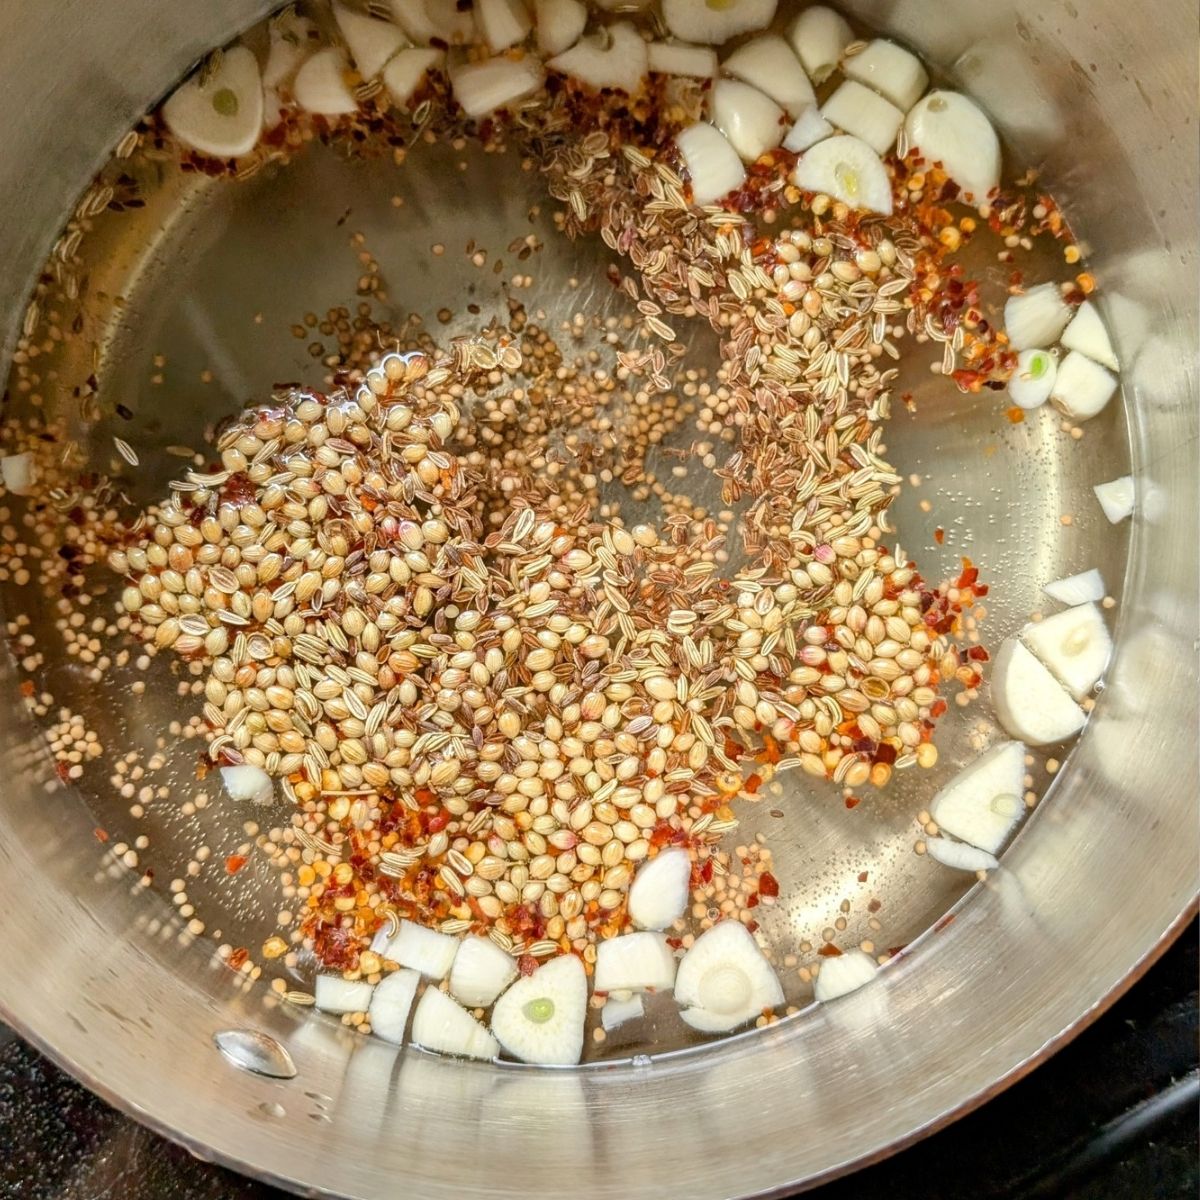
pixel 560 24
pixel 634 962
pixel 895 73
pixel 18 473
pixel 1030 703
pixel 1116 498
pixel 959 855
pixel 502 23
pixel 1087 334
pixel 1075 645
pixel 333 994
pixel 752 122
pixel 1031 382
pixel 725 980
pixel 712 164
pixel 482 87
pixel 407 71
pixel 427 21
pixel 219 113
pixel 426 950
pixel 481 971
pixel 847 169
pixel 442 1025
pixel 540 1019
pixel 950 129
pixel 819 37
pixel 1082 388
pixel 391 1004
pixel 712 24
pixel 1084 588
pixel 372 43
pixel 1036 318
pixel 617 1012
pixel 292 39
pixel 246 782
pixel 843 974
pixel 674 58
pixel 321 86
pixel 658 895
pixel 858 111
pixel 983 802
pixel 809 129
pixel 770 64
pixel 612 57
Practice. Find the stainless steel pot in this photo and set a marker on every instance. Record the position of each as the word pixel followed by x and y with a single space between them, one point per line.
pixel 1103 96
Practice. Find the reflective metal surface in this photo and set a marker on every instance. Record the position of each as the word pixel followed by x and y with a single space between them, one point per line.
pixel 1087 890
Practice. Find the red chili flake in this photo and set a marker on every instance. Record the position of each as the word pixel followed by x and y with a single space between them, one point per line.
pixel 752 926
pixel 527 964
pixel 939 535
pixel 675 943
pixel 27 688
pixel 753 783
pixel 425 796
pixel 734 750
pixel 970 573
pixel 978 653
pixel 234 863
pixel 853 801
pixel 948 919
pixel 938 708
pixel 753 901
pixel 886 753
pixel 874 906
pixel 238 957
pixel 829 950
pixel 438 823
pixel 768 885
pixel 1015 415
pixel 706 871
pixel 862 876
pixel 63 771
pixel 101 835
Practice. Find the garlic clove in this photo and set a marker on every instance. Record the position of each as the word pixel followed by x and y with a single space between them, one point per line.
pixel 1032 380
pixel 895 73
pixel 982 804
pixel 481 971
pixel 617 1012
pixel 291 39
pixel 1087 334
pixel 560 24
pixel 752 122
pixel 426 21
pixel 819 37
pixel 333 994
pixel 1083 588
pixel 1116 498
pixel 959 855
pixel 843 974
pixel 770 64
pixel 847 169
pixel 18 473
pixel 674 58
pixel 658 895
pixel 540 1019
pixel 712 24
pixel 634 962
pixel 613 57
pixel 219 113
pixel 1074 644
pixel 442 1025
pixel 725 980
pixel 948 128
pixel 858 111
pixel 502 23
pixel 407 71
pixel 1035 319
pixel 391 1004
pixel 372 43
pixel 1082 388
pixel 321 86
pixel 809 129
pixel 246 782
pixel 712 164
pixel 482 87
pixel 426 950
pixel 1030 703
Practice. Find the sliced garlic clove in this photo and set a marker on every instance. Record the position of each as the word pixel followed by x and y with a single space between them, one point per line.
pixel 895 73
pixel 959 855
pixel 982 804
pixel 1075 645
pixel 843 974
pixel 18 473
pixel 858 111
pixel 1035 319
pixel 725 980
pixel 1030 703
pixel 540 1019
pixel 292 39
pixel 1031 382
pixel 617 1012
pixel 1087 334
pixel 372 43
pixel 948 128
pixel 770 64
pixel 847 169
pixel 482 87
pixel 612 57
pixel 502 23
pixel 426 21
pixel 752 122
pixel 333 994
pixel 1082 388
pixel 481 971
pixel 674 58
pixel 659 893
pixel 819 37
pixel 442 1025
pixel 1084 588
pixel 321 86
pixel 407 71
pixel 391 1004
pixel 712 164
pixel 246 782
pixel 219 114
pixel 809 129
pixel 426 950
pixel 560 24
pixel 634 962
pixel 1116 498
pixel 712 24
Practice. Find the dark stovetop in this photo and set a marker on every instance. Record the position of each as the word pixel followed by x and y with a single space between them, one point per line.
pixel 1111 1117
